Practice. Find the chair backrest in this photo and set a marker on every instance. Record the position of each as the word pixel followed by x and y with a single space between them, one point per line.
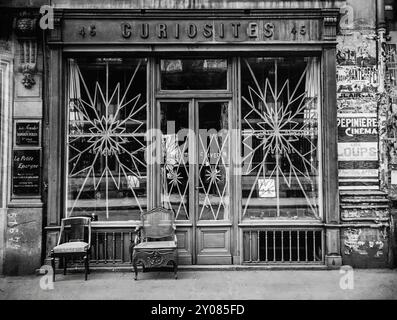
pixel 158 223
pixel 75 229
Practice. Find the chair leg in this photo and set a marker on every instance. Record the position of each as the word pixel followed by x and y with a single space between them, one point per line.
pixel 86 266
pixel 64 266
pixel 135 270
pixel 53 267
pixel 175 270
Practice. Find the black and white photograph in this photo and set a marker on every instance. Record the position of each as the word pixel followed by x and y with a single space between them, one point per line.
pixel 197 155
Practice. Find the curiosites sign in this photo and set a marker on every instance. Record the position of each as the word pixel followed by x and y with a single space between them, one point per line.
pixel 189 31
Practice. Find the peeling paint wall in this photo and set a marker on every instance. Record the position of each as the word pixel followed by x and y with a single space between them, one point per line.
pixel 362 130
pixel 23 241
pixel 364 247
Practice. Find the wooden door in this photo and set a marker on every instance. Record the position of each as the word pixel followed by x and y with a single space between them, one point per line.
pixel 195 176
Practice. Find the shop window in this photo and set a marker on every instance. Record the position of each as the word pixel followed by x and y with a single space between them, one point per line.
pixel 280 138
pixel 107 117
pixel 193 74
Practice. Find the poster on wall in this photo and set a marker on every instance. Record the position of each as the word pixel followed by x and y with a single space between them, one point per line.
pixel 266 188
pixel 357 151
pixel 357 127
pixel 357 173
pixel 26 173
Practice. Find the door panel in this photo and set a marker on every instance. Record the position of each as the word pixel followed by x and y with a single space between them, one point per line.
pixel 213 245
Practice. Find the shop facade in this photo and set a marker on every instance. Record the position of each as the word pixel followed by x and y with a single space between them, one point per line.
pixel 226 116
pixel 212 117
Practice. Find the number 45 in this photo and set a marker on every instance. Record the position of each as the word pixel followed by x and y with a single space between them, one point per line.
pixel 302 30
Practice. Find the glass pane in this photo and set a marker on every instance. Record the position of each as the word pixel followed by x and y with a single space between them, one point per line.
pixel 106 138
pixel 194 74
pixel 280 105
pixel 213 161
pixel 175 159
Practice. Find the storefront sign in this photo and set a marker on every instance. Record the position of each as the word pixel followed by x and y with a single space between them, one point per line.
pixel 357 151
pixel 26 172
pixel 357 127
pixel 190 30
pixel 27 133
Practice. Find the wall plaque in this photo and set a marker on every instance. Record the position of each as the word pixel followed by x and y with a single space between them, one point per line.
pixel 26 175
pixel 27 133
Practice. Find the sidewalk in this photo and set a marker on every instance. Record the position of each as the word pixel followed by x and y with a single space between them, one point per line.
pixel 208 285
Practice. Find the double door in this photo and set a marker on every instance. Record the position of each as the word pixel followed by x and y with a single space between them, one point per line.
pixel 195 174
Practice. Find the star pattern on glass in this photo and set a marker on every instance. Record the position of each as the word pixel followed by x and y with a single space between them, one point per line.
pixel 175 177
pixel 175 169
pixel 277 130
pixel 101 137
pixel 213 175
pixel 214 192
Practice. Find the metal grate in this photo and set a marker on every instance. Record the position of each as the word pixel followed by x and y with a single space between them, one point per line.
pixel 283 245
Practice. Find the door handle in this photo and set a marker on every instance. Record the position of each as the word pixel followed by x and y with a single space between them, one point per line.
pixel 198 188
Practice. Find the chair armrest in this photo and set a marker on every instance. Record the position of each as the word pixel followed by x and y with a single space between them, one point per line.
pixel 175 239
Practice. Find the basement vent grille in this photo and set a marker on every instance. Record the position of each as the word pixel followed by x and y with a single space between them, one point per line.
pixel 283 246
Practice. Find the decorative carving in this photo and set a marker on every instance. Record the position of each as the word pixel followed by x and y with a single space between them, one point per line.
pixel 25 28
pixel 25 25
pixel 155 258
pixel 329 28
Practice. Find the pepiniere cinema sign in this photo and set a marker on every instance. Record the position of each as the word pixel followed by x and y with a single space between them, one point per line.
pixel 189 30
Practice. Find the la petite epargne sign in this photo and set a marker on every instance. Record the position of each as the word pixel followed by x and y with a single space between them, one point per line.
pixel 357 127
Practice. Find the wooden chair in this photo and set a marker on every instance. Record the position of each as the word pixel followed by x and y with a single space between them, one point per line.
pixel 155 242
pixel 74 242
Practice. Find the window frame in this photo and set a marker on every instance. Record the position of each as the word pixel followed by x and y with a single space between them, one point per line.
pixel 320 140
pixel 65 168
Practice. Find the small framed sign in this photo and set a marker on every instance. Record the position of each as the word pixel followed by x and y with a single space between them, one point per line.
pixel 27 133
pixel 267 188
pixel 26 172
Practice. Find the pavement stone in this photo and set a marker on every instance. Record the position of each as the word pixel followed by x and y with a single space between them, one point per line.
pixel 206 285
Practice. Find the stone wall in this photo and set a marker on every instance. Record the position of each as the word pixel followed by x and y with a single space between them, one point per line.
pixel 22 210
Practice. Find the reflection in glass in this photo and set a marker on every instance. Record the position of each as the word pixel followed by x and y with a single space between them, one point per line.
pixel 175 159
pixel 193 74
pixel 280 105
pixel 106 138
pixel 213 161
